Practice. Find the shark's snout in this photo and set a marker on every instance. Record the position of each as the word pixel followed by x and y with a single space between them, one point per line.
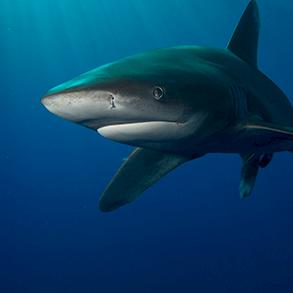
pixel 66 105
pixel 46 101
pixel 85 107
pixel 60 105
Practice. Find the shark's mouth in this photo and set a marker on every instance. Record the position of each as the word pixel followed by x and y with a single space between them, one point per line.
pixel 152 131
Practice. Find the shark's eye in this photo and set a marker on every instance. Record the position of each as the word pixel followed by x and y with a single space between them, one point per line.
pixel 158 93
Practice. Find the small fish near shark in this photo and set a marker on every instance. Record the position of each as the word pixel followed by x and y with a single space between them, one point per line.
pixel 179 104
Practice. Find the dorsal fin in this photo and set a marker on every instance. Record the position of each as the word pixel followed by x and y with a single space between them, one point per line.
pixel 244 42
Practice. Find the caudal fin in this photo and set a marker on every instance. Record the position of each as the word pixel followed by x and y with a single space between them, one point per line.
pixel 244 42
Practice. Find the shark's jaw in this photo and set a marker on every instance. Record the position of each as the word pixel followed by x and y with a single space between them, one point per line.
pixel 149 131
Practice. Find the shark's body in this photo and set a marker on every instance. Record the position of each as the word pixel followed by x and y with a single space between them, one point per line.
pixel 178 104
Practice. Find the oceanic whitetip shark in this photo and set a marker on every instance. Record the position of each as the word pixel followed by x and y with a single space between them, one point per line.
pixel 178 104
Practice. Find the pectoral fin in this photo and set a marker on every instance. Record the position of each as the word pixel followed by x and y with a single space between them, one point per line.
pixel 270 129
pixel 141 170
pixel 267 137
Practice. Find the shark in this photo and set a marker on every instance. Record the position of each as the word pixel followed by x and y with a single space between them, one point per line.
pixel 178 104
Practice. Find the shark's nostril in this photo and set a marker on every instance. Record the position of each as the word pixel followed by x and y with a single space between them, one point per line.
pixel 112 102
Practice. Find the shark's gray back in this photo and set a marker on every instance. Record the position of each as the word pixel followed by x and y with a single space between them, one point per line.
pixel 264 98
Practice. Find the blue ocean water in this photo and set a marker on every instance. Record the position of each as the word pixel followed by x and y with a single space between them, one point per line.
pixel 190 232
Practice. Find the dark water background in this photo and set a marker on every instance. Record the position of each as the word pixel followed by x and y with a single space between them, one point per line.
pixel 191 232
